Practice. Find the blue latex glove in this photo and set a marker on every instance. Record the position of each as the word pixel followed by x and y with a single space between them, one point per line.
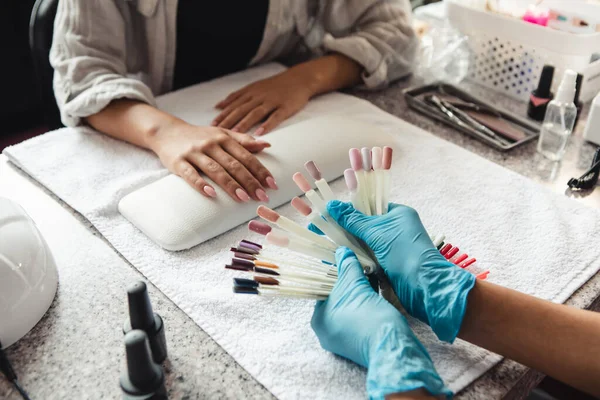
pixel 429 287
pixel 356 323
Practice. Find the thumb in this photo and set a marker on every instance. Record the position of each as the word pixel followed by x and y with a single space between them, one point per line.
pixel 348 218
pixel 349 269
pixel 249 142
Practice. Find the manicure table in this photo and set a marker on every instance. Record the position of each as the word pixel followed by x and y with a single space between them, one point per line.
pixel 76 350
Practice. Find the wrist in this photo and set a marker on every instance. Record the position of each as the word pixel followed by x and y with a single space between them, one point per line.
pixel 445 288
pixel 156 132
pixel 398 363
pixel 307 78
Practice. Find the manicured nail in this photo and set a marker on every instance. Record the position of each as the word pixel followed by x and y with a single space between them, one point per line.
pixel 236 129
pixel 259 131
pixel 210 191
pixel 271 183
pixel 266 144
pixel 242 195
pixel 262 196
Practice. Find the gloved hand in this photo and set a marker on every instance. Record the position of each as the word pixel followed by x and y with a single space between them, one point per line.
pixel 356 323
pixel 429 287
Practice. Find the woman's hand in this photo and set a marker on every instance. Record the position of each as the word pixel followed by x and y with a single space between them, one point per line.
pixel 356 323
pixel 224 156
pixel 275 99
pixel 272 100
pixel 429 287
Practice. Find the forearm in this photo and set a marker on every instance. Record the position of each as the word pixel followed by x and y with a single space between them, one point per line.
pixel 560 341
pixel 328 73
pixel 132 121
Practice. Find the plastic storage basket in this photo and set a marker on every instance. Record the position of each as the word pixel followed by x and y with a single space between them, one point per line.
pixel 508 54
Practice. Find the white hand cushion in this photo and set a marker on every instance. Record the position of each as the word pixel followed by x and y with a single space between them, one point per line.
pixel 177 217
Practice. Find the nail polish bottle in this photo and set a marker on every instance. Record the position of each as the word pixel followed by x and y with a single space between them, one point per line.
pixel 578 102
pixel 143 378
pixel 142 317
pixel 540 97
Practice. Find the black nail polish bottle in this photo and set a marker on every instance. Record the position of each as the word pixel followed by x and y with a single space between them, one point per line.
pixel 578 102
pixel 141 317
pixel 540 97
pixel 143 378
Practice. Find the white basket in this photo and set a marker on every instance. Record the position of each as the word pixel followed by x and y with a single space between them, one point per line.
pixel 508 54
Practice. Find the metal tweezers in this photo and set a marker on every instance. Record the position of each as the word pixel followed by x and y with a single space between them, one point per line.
pixel 464 120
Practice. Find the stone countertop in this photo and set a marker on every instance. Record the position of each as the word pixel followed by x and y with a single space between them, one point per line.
pixel 76 351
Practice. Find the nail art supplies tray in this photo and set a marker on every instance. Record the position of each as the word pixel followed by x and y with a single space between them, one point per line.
pixel 477 118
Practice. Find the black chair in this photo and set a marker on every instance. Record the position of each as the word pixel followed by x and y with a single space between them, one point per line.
pixel 41 29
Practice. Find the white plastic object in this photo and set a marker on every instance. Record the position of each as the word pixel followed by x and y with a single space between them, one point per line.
pixel 28 275
pixel 509 54
pixel 176 217
pixel 592 127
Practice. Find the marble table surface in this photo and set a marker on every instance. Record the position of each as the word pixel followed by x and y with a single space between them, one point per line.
pixel 76 351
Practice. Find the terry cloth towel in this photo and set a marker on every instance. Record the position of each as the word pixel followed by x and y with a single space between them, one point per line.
pixel 530 239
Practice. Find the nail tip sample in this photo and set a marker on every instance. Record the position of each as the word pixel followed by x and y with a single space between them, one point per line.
pixel 301 181
pixel 355 159
pixel 313 170
pixel 350 178
pixel 259 227
pixel 301 206
pixel 267 213
pixel 387 157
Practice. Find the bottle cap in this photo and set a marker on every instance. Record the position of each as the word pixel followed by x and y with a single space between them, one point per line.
pixel 566 90
pixel 140 309
pixel 578 88
pixel 143 374
pixel 543 89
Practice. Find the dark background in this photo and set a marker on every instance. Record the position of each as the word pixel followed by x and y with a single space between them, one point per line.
pixel 19 98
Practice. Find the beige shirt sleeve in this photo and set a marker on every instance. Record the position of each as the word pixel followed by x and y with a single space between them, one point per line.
pixel 89 58
pixel 377 34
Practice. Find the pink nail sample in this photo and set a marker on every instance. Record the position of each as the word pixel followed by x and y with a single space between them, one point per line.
pixel 259 227
pixel 313 170
pixel 301 182
pixel 350 178
pixel 301 206
pixel 355 159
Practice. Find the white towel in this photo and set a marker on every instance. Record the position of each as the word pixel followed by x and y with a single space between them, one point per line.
pixel 530 239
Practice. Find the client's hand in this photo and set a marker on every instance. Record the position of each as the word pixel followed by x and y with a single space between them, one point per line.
pixel 271 100
pixel 429 287
pixel 224 156
pixel 356 323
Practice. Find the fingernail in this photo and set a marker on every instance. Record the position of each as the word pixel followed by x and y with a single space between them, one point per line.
pixel 262 196
pixel 259 131
pixel 242 195
pixel 214 123
pixel 266 144
pixel 236 129
pixel 210 191
pixel 271 183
